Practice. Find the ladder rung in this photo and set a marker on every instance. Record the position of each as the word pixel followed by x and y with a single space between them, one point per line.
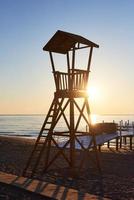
pixel 48 122
pixel 40 143
pixel 43 136
pixel 46 129
pixel 41 139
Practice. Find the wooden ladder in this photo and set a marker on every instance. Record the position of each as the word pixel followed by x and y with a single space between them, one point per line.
pixel 44 137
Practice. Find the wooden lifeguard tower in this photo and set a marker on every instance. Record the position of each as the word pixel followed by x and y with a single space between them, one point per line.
pixel 70 87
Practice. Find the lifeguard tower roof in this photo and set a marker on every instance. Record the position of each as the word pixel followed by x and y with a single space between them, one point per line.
pixel 62 42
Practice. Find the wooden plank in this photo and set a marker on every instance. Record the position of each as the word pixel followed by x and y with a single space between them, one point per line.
pixel 46 189
pixel 90 57
pixel 68 62
pixel 52 62
pixel 72 133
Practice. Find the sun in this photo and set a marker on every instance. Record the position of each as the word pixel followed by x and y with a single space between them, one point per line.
pixel 92 92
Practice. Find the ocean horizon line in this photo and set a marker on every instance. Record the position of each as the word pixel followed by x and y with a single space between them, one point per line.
pixel 40 114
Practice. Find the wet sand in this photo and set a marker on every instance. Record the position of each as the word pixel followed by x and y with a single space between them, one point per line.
pixel 116 182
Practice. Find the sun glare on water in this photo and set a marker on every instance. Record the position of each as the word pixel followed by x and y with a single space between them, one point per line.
pixel 93 95
pixel 93 118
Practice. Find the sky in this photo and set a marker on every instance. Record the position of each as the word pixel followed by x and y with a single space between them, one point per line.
pixel 26 81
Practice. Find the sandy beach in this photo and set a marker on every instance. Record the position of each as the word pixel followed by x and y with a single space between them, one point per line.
pixel 116 182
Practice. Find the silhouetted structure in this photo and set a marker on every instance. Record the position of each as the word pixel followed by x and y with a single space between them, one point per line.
pixel 70 87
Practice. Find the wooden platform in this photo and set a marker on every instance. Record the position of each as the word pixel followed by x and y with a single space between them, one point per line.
pixel 104 138
pixel 85 140
pixel 46 189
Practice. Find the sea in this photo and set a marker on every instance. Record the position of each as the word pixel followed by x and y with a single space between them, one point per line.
pixel 30 125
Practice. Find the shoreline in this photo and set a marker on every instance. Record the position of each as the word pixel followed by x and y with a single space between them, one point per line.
pixel 19 136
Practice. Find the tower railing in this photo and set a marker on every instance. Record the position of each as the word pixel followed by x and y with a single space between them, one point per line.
pixel 74 80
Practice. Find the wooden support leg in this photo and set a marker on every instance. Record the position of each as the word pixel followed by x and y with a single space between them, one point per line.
pixel 120 142
pixel 108 144
pixel 72 134
pixel 99 148
pixel 130 142
pixel 47 152
pixel 125 141
pixel 117 139
pixel 97 155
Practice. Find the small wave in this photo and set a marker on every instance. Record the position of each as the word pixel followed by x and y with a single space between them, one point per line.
pixel 5 132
